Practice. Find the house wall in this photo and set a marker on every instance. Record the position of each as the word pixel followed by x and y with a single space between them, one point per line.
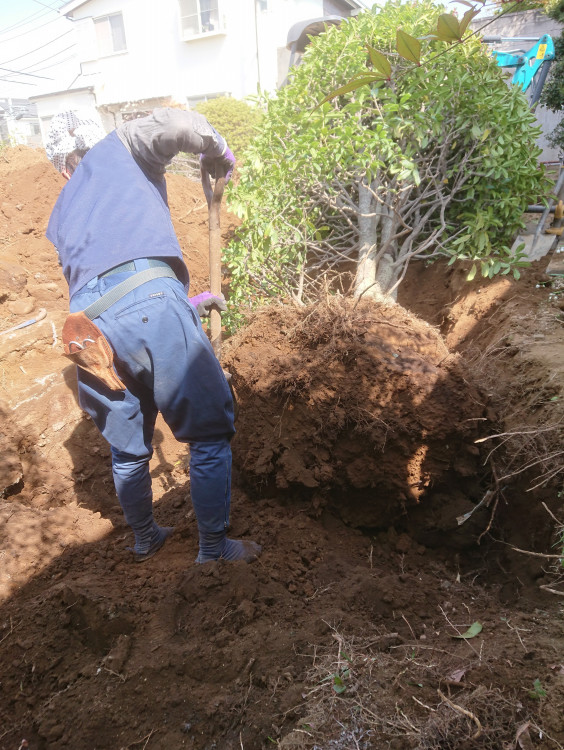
pixel 530 23
pixel 158 68
pixel 158 63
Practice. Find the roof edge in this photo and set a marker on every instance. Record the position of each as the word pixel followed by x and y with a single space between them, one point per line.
pixel 71 6
pixel 62 91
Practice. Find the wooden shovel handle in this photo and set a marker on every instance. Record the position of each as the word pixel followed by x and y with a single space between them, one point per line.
pixel 215 260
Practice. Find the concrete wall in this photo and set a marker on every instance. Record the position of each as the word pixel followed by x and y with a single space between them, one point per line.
pixel 530 23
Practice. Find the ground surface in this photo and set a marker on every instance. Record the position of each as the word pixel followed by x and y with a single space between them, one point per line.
pixel 355 455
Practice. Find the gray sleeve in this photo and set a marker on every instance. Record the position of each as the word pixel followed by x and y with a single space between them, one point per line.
pixel 155 140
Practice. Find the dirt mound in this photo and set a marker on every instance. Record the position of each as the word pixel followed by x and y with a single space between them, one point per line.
pixel 362 406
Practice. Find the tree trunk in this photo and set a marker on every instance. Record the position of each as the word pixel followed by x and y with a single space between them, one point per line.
pixel 385 279
pixel 373 274
pixel 366 268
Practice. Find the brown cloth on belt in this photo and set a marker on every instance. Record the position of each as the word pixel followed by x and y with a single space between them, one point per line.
pixel 87 347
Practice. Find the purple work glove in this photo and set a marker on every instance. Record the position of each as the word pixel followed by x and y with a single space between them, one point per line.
pixel 205 301
pixel 226 162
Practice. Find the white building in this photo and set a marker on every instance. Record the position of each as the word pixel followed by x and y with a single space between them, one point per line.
pixel 134 55
pixel 19 124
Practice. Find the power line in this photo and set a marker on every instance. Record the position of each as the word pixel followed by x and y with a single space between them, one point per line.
pixel 25 54
pixel 20 83
pixel 59 62
pixel 49 6
pixel 20 73
pixel 38 62
pixel 7 78
pixel 24 33
pixel 54 65
pixel 28 19
pixel 31 19
pixel 33 16
pixel 45 67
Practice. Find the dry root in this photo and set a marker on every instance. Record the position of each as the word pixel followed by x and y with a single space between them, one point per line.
pixel 530 407
pixel 373 694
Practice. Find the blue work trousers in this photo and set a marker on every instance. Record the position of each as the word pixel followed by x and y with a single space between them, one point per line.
pixel 166 361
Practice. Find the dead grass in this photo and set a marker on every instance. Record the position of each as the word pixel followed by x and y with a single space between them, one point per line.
pixel 529 406
pixel 369 693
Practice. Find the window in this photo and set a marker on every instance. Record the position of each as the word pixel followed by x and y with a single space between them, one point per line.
pixel 200 17
pixel 110 34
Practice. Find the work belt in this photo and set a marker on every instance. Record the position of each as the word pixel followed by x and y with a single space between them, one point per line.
pixel 85 344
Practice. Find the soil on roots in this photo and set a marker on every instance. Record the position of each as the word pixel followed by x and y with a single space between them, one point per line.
pixel 359 407
pixel 354 456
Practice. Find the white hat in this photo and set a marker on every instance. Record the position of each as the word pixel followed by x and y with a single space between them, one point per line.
pixel 71 130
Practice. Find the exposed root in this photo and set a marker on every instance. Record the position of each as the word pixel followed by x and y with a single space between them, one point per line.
pixel 461 710
pixel 522 448
pixel 350 702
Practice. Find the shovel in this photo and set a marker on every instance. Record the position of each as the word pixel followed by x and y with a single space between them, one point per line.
pixel 214 198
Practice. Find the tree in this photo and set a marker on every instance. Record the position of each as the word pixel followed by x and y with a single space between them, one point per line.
pixel 437 160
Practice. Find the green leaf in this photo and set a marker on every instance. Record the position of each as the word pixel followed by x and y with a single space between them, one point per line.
pixel 408 47
pixel 380 62
pixel 516 274
pixel 538 691
pixel 338 685
pixel 352 85
pixel 472 273
pixel 466 18
pixel 448 28
pixel 472 631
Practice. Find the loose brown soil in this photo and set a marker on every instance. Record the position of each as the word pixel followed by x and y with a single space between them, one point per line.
pixel 355 460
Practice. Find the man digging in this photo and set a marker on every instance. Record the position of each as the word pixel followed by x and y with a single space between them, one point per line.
pixel 113 233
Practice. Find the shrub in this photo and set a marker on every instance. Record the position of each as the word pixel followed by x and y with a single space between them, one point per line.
pixel 236 120
pixel 438 160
